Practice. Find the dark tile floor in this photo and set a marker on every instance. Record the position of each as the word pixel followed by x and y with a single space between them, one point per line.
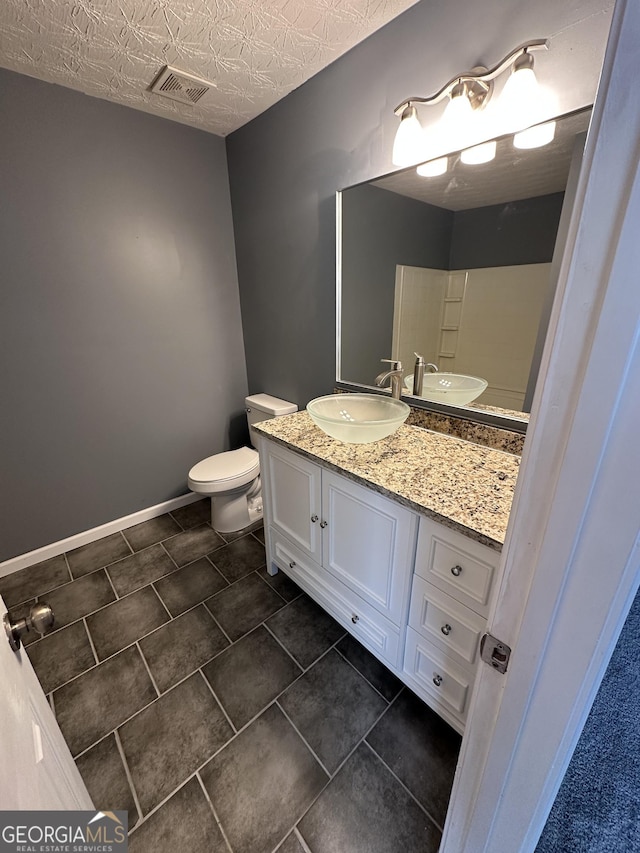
pixel 222 707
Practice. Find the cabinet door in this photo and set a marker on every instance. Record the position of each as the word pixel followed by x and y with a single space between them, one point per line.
pixel 368 544
pixel 294 494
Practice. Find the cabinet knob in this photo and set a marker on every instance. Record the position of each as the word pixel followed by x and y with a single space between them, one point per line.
pixel 292 564
pixel 323 524
pixel 446 629
pixel 355 618
pixel 437 680
pixel 456 571
pixel 314 518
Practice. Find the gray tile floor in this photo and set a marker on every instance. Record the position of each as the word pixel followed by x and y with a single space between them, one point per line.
pixel 222 707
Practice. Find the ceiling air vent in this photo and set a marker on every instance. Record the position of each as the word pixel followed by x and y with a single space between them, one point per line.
pixel 180 86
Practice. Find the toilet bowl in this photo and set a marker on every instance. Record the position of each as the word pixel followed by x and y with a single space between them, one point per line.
pixel 232 479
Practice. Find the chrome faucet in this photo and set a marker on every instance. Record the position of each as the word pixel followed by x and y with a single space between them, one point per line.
pixel 394 374
pixel 434 367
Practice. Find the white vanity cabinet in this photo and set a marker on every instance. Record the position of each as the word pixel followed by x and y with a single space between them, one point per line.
pixel 414 592
pixel 350 548
pixel 453 580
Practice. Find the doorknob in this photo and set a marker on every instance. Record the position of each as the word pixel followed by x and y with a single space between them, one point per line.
pixel 40 620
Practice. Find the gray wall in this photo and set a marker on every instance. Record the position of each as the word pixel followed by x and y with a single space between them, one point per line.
pixel 120 337
pixel 337 130
pixel 382 229
pixel 501 235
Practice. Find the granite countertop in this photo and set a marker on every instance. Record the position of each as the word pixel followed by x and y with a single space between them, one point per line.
pixel 464 486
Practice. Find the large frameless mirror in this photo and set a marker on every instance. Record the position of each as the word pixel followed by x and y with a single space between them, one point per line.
pixel 461 268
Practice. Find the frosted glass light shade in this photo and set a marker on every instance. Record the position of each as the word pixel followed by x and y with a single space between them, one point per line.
pixel 433 168
pixel 520 98
pixel 535 137
pixel 409 139
pixel 479 153
pixel 457 113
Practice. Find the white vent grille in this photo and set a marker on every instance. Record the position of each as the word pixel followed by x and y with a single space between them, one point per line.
pixel 180 86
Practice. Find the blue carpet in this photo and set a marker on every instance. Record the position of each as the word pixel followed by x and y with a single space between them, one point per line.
pixel 598 805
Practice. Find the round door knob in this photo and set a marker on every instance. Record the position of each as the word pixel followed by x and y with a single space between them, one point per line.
pixel 40 620
pixel 446 629
pixel 355 618
pixel 314 518
pixel 456 571
pixel 437 680
pixel 323 524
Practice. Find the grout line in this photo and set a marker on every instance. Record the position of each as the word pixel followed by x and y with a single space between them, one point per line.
pixel 301 840
pixel 280 643
pixel 66 560
pixel 362 675
pixel 268 585
pixel 162 803
pixel 162 545
pixel 402 784
pixel 217 570
pixel 134 793
pixel 115 591
pixel 213 811
pixel 93 648
pixel 126 543
pixel 306 742
pixel 163 604
pixel 144 660
pixel 219 703
pixel 224 633
pixel 52 704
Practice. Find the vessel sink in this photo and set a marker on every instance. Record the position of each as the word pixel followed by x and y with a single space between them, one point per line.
pixel 358 418
pixel 456 389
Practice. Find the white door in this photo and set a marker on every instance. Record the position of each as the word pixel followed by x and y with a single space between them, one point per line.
pixel 38 770
pixel 572 556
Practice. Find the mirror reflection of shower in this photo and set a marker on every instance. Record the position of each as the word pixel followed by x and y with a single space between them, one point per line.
pixel 476 322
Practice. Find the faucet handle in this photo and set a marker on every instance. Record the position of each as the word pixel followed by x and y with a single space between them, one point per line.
pixel 395 364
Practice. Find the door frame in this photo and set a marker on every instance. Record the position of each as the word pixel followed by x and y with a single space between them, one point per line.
pixel 573 511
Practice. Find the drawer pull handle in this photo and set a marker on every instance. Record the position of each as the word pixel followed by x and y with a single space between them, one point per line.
pixel 314 518
pixel 323 524
pixel 456 571
pixel 437 680
pixel 292 564
pixel 446 629
pixel 355 618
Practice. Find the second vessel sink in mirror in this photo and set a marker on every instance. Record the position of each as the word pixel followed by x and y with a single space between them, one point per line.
pixel 358 418
pixel 456 389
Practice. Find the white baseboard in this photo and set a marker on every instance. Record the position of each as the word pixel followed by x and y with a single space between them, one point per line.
pixel 22 561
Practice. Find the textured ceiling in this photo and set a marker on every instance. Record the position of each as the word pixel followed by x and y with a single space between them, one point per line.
pixel 254 52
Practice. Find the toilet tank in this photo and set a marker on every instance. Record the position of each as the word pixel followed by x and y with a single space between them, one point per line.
pixel 261 407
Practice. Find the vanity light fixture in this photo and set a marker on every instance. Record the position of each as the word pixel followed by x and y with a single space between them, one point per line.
pixel 433 168
pixel 536 136
pixel 479 153
pixel 467 93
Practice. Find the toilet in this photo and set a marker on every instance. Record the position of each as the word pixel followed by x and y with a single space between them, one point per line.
pixel 232 479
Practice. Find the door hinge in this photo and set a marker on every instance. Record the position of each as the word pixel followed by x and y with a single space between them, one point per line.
pixel 495 653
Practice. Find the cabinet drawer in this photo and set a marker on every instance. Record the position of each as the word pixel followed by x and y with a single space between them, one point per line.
pixel 438 675
pixel 455 564
pixel 444 622
pixel 372 629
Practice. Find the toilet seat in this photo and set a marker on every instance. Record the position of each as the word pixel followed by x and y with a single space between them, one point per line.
pixel 224 471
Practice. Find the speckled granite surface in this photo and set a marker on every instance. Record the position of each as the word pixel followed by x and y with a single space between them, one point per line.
pixel 465 486
pixel 469 430
pixel 488 436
